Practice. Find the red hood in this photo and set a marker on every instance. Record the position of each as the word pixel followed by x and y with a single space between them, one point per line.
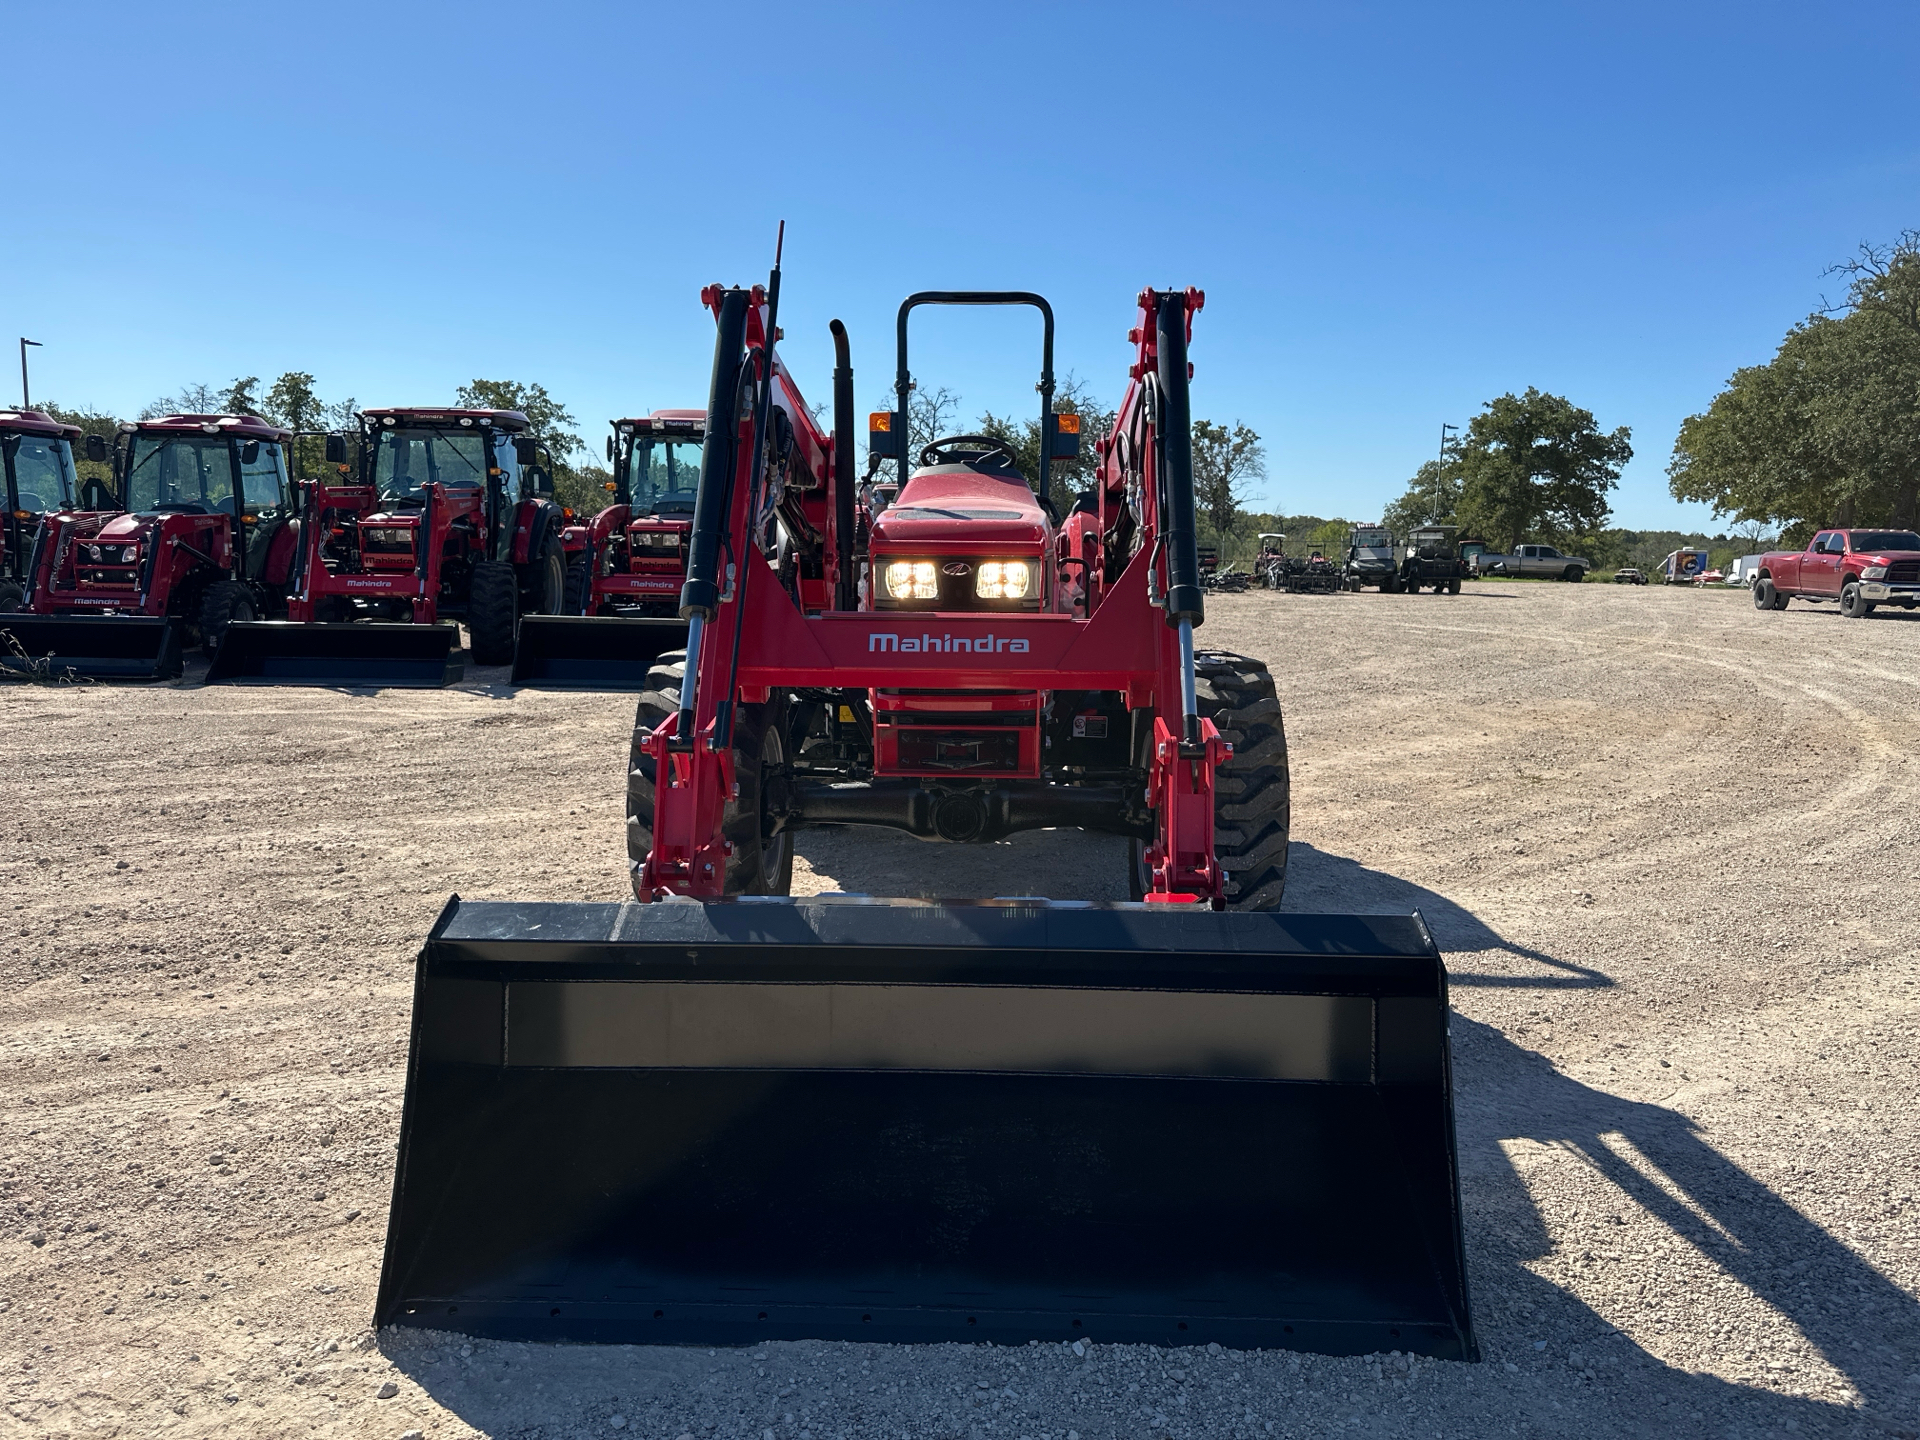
pixel 963 507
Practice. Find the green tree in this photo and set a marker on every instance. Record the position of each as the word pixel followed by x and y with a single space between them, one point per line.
pixel 91 422
pixel 1226 460
pixel 239 399
pixel 1432 498
pixel 1538 464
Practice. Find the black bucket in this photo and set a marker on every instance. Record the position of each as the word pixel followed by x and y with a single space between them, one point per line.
pixel 899 1121
pixel 378 653
pixel 99 647
pixel 591 652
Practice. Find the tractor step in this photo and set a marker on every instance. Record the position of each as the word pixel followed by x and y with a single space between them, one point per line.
pixel 98 647
pixel 841 1118
pixel 376 653
pixel 592 652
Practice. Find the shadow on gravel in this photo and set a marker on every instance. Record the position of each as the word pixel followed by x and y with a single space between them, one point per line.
pixel 1318 881
pixel 1865 1326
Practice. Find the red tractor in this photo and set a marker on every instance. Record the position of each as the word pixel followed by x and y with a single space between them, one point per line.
pixel 37 453
pixel 450 516
pixel 205 538
pixel 625 565
pixel 742 1116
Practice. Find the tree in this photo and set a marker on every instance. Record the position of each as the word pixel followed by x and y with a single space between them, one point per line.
pixel 91 422
pixel 929 417
pixel 192 400
pixel 1828 431
pixel 1432 498
pixel 1538 464
pixel 239 399
pixel 1071 396
pixel 1225 461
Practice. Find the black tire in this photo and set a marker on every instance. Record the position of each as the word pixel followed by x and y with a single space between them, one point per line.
pixel 543 581
pixel 579 589
pixel 493 612
pixel 1573 574
pixel 1453 586
pixel 12 597
pixel 1763 594
pixel 1390 585
pixel 1853 604
pixel 1251 796
pixel 224 602
pixel 762 862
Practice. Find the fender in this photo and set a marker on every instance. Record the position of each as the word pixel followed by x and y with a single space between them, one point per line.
pixel 280 552
pixel 534 520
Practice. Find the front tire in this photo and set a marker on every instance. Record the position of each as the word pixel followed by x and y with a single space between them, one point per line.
pixel 579 590
pixel 1573 574
pixel 546 582
pixel 493 612
pixel 1853 603
pixel 1252 791
pixel 12 597
pixel 225 602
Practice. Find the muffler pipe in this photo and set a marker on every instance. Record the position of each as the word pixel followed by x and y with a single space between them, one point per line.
pixel 843 521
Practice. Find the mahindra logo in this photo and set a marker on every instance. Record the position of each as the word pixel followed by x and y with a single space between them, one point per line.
pixel 956 568
pixel 886 643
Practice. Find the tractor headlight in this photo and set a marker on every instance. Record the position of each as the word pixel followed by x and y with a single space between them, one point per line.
pixel 913 580
pixel 1003 580
pixel 130 554
pixel 1873 572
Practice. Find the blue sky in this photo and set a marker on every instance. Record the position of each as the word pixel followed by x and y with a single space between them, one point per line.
pixel 1396 211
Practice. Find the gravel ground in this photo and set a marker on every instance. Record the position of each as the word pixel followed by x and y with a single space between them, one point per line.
pixel 1666 842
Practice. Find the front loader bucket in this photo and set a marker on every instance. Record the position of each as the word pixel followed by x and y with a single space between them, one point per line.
pixel 898 1121
pixel 591 652
pixel 100 647
pixel 279 652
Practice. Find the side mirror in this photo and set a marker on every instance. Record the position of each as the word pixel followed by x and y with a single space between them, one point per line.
pixel 524 449
pixel 539 482
pixel 337 450
pixel 94 495
pixel 96 447
pixel 609 449
pixel 250 453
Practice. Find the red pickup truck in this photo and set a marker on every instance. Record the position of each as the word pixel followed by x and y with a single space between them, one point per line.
pixel 1862 569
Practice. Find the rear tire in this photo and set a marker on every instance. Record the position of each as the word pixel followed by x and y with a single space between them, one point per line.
pixel 579 589
pixel 1251 792
pixel 1453 586
pixel 546 582
pixel 761 863
pixel 492 612
pixel 224 602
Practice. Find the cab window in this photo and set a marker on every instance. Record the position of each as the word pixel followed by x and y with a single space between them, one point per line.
pixel 263 480
pixel 181 471
pixel 506 464
pixel 42 472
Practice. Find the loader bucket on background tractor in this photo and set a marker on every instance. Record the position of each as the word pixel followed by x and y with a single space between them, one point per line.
pixel 842 1118
pixel 280 652
pixel 100 647
pixel 591 652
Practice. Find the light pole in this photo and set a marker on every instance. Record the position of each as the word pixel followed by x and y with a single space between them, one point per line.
pixel 26 399
pixel 1441 479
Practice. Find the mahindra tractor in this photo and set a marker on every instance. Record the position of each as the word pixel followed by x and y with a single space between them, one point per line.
pixel 205 538
pixel 725 1115
pixel 625 565
pixel 37 452
pixel 449 516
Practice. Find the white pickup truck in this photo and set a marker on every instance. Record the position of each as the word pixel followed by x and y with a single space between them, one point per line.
pixel 1541 560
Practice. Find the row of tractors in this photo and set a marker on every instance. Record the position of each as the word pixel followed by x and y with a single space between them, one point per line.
pixel 424 518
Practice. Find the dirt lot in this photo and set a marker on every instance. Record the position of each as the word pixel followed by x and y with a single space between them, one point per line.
pixel 1667 843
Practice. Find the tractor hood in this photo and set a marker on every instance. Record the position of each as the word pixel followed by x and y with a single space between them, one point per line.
pixel 948 505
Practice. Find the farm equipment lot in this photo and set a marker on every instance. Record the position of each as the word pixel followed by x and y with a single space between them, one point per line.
pixel 1679 920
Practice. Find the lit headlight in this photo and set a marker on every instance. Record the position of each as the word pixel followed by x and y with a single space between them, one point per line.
pixel 1003 580
pixel 913 580
pixel 1873 572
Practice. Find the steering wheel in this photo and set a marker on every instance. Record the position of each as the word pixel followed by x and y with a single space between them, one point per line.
pixel 932 453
